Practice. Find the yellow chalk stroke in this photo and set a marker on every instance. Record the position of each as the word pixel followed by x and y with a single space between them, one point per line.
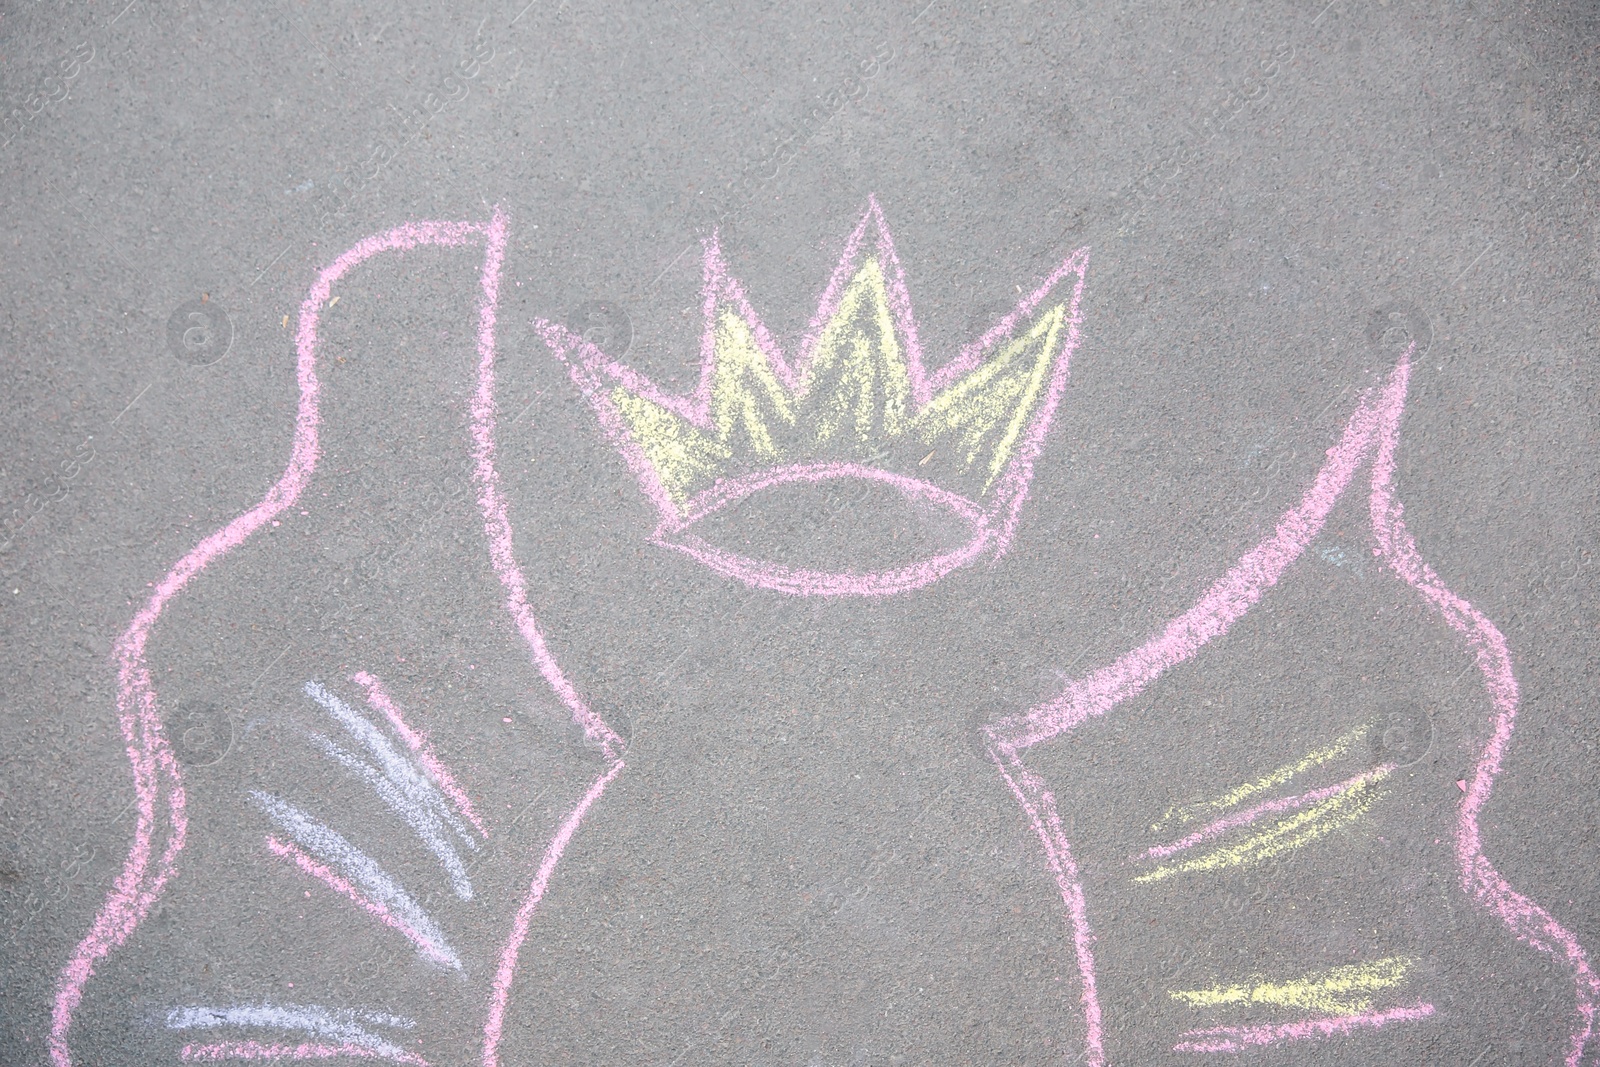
pixel 989 408
pixel 684 459
pixel 746 397
pixel 1285 835
pixel 858 379
pixel 1340 991
pixel 1235 797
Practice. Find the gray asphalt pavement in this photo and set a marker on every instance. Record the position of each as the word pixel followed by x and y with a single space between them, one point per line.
pixel 673 534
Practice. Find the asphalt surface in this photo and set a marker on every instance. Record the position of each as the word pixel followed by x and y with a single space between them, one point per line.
pixel 791 838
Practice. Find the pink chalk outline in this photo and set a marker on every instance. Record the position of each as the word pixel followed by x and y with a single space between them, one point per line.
pixel 494 1024
pixel 1372 434
pixel 325 874
pixel 1237 1038
pixel 379 700
pixel 502 553
pixel 156 777
pixel 305 1050
pixel 158 782
pixel 992 526
pixel 803 581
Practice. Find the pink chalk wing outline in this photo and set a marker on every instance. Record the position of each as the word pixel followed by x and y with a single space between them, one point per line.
pixel 1371 436
pixel 992 526
pixel 160 800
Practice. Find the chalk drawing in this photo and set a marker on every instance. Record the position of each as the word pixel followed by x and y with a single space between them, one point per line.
pixel 859 386
pixel 158 783
pixel 342 1033
pixel 161 828
pixel 1237 1038
pixel 380 701
pixel 1337 991
pixel 305 1050
pixel 1326 810
pixel 358 876
pixel 506 971
pixel 1370 438
pixel 402 784
pixel 1530 922
pixel 502 554
pixel 756 421
pixel 1288 772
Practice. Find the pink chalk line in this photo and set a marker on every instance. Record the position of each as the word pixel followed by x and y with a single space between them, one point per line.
pixel 383 898
pixel 494 1023
pixel 379 699
pixel 1237 1038
pixel 502 553
pixel 804 581
pixel 1393 543
pixel 158 784
pixel 1217 609
pixel 341 1030
pixel 306 1050
pixel 1250 815
pixel 496 516
pixel 996 523
pixel 1039 804
pixel 325 874
pixel 1371 434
